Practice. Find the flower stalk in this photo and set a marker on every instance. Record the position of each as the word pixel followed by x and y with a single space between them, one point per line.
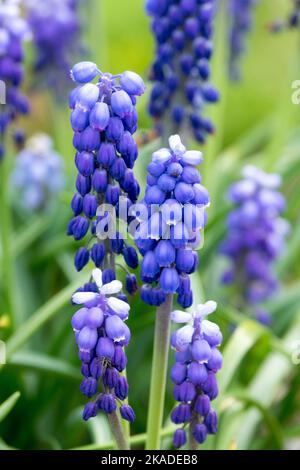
pixel 159 373
pixel 7 260
pixel 118 431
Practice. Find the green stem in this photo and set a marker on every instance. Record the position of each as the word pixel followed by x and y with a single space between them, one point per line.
pixel 118 431
pixel 159 372
pixel 193 445
pixel 121 430
pixel 126 424
pixel 7 257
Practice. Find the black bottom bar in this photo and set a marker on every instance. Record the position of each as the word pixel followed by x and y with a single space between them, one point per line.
pixel 134 459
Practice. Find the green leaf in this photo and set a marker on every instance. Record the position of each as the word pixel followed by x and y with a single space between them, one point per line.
pixel 29 235
pixel 293 431
pixel 270 421
pixel 66 263
pixel 51 247
pixel 43 363
pixel 243 339
pixel 197 288
pixel 264 388
pixel 291 253
pixel 4 446
pixel 288 298
pixel 8 405
pixel 42 316
pixel 134 440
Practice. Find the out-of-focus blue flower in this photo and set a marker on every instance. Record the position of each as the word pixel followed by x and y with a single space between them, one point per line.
pixel 198 359
pixel 13 31
pixel 104 119
pixel 292 22
pixel 255 237
pixel 172 215
pixel 56 28
pixel 38 174
pixel 101 335
pixel 181 71
pixel 240 16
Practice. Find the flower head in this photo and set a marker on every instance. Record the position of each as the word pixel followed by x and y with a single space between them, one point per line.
pixel 240 15
pixel 56 39
pixel 104 119
pixel 13 33
pixel 38 174
pixel 170 224
pixel 197 361
pixel 255 237
pixel 181 70
pixel 101 334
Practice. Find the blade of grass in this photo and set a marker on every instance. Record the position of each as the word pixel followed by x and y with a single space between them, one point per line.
pixel 265 387
pixel 134 440
pixel 267 417
pixel 8 405
pixel 242 340
pixel 42 316
pixel 292 252
pixel 42 363
pixel 28 235
pixel 8 279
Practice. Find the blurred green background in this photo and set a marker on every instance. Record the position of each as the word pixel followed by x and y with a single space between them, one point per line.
pixel 259 384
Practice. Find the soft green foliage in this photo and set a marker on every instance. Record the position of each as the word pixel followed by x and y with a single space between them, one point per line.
pixel 259 384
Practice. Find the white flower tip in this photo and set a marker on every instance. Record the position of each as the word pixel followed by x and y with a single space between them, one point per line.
pixel 120 307
pixel 267 180
pixel 176 145
pixel 202 310
pixel 81 298
pixel 178 316
pixel 161 156
pixel 113 287
pixel 211 305
pixel 97 276
pixel 193 157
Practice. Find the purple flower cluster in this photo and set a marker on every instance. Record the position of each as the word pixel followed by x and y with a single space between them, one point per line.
pixel 171 217
pixel 255 238
pixel 240 12
pixel 101 335
pixel 38 174
pixel 104 119
pixel 198 359
pixel 181 71
pixel 13 31
pixel 56 38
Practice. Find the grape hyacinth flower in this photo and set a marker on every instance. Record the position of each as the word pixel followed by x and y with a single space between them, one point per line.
pixel 255 238
pixel 56 38
pixel 13 31
pixel 101 335
pixel 240 15
pixel 169 223
pixel 181 71
pixel 198 359
pixel 170 228
pixel 38 174
pixel 104 119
